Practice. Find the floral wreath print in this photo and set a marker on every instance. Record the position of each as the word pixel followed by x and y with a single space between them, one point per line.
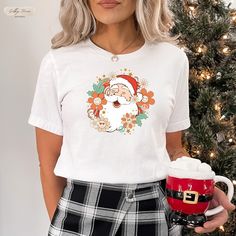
pixel 119 102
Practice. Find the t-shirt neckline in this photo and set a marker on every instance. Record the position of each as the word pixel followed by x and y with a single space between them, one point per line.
pixel 109 54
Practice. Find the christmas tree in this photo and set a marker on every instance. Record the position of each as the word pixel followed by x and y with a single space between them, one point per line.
pixel 207 34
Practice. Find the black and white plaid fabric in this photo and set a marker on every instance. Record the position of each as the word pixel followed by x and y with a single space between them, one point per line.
pixel 104 209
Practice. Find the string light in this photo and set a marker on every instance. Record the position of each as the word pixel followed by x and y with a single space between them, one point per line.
pixel 212 154
pixel 192 10
pixel 222 117
pixel 202 48
pixel 217 106
pixel 225 36
pixel 222 228
pixel 218 75
pixel 205 74
pixel 183 48
pixel 233 17
pixel 226 50
pixel 215 2
pixel 218 109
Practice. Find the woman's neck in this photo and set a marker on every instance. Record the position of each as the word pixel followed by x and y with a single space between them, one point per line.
pixel 115 37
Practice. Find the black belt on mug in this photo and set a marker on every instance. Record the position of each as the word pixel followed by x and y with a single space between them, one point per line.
pixel 190 197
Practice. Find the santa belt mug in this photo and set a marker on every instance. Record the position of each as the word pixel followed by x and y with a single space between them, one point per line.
pixel 189 199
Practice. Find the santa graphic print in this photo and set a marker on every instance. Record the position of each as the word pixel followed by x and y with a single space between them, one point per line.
pixel 119 103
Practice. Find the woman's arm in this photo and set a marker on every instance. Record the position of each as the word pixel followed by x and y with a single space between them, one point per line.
pixel 174 145
pixel 49 147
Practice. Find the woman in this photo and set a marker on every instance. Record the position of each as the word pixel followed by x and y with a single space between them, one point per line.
pixel 110 104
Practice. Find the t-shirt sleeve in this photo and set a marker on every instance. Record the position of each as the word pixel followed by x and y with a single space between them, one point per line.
pixel 46 110
pixel 179 119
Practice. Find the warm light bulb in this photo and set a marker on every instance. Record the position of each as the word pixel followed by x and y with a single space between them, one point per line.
pixel 212 154
pixel 205 74
pixel 198 152
pixel 199 49
pixel 233 16
pixel 234 182
pixel 230 140
pixel 192 8
pixel 217 106
pixel 222 117
pixel 202 48
pixel 226 50
pixel 183 47
pixel 225 36
pixel 222 228
pixel 192 11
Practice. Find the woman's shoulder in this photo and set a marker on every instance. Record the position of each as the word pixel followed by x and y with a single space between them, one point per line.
pixel 169 49
pixel 65 54
pixel 69 48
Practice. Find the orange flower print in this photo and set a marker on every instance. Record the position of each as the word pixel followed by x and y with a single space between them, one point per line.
pixel 119 102
pixel 146 99
pixel 101 124
pixel 97 100
pixel 128 121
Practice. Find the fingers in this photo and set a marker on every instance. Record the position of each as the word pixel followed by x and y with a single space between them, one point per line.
pixel 201 230
pixel 212 224
pixel 219 199
pixel 223 200
pixel 217 220
pixel 213 203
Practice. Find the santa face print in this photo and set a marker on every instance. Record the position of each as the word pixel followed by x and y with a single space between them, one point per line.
pixel 119 103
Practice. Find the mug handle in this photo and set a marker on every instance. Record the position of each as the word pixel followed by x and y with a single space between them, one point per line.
pixel 230 193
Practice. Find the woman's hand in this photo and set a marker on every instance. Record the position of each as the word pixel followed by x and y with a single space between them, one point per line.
pixel 219 198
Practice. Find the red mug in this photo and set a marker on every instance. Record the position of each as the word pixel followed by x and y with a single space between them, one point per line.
pixel 189 189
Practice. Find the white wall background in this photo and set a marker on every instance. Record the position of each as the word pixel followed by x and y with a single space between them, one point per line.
pixel 233 5
pixel 23 42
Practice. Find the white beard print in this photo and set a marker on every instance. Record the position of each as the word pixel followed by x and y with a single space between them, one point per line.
pixel 114 114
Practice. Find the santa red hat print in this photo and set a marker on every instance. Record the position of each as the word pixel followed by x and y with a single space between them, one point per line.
pixel 130 82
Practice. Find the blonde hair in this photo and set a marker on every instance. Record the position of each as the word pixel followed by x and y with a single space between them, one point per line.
pixel 153 18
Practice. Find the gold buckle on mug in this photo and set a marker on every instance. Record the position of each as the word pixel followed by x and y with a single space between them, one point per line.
pixel 190 197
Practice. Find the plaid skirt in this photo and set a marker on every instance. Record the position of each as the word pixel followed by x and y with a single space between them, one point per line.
pixel 106 209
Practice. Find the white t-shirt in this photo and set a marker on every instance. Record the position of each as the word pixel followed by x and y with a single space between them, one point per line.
pixel 113 115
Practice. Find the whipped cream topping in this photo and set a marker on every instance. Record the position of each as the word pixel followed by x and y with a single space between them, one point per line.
pixel 187 167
